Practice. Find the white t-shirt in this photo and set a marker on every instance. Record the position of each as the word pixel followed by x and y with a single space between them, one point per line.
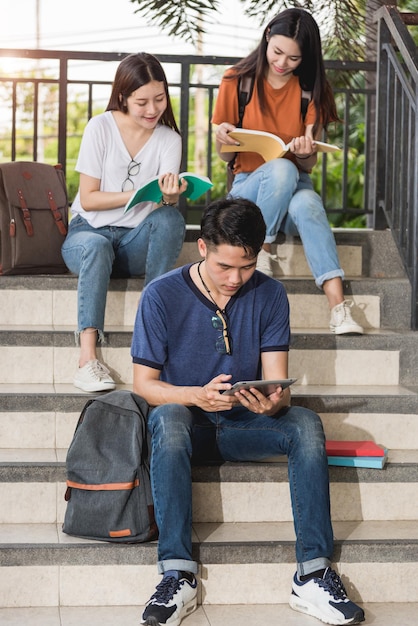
pixel 103 155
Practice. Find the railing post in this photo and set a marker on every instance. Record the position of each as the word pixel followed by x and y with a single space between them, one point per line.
pixel 184 123
pixel 414 208
pixel 379 219
pixel 62 112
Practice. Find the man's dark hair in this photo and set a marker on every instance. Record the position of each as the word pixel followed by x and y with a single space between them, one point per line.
pixel 236 222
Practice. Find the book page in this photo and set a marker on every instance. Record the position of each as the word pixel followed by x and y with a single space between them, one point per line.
pixel 265 144
pixel 322 146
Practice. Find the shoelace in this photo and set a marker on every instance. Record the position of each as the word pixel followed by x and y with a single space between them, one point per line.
pixel 98 369
pixel 347 306
pixel 166 589
pixel 343 311
pixel 334 585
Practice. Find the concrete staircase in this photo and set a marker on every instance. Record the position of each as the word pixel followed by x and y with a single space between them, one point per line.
pixel 363 387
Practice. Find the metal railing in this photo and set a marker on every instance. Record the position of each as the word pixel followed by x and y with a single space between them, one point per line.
pixel 397 142
pixel 54 76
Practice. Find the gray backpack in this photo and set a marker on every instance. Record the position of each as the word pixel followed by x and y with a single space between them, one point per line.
pixel 108 486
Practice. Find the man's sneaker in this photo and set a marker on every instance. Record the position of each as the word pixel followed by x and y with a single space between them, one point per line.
pixel 341 321
pixel 94 376
pixel 174 598
pixel 326 599
pixel 265 262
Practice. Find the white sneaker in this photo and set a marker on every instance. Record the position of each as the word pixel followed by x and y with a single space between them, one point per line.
pixel 265 262
pixel 326 599
pixel 94 376
pixel 341 321
pixel 174 598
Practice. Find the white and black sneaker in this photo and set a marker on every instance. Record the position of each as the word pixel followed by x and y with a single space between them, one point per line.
pixel 326 599
pixel 174 598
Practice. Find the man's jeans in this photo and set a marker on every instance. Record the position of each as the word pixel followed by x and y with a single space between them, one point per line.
pixel 290 205
pixel 94 254
pixel 179 432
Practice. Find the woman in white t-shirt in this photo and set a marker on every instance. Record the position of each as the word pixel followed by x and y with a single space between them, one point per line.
pixel 136 139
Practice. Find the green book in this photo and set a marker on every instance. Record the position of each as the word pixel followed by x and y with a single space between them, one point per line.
pixel 150 192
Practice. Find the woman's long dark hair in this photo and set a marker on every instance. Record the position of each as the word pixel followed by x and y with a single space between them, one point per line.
pixel 299 25
pixel 134 71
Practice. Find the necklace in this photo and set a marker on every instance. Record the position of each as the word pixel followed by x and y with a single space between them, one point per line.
pixel 219 321
pixel 207 288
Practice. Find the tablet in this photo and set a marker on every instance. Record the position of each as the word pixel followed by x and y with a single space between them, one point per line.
pixel 265 386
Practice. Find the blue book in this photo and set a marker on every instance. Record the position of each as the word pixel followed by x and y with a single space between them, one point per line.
pixel 376 462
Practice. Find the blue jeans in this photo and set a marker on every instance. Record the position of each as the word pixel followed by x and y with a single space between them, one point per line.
pixel 96 254
pixel 181 434
pixel 290 205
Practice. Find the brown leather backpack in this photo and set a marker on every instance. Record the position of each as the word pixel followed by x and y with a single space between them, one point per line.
pixel 33 218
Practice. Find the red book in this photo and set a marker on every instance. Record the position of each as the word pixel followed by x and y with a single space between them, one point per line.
pixel 353 448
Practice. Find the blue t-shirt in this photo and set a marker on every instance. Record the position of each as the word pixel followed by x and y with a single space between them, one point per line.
pixel 174 333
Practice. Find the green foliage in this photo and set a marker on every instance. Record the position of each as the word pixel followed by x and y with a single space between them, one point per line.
pixel 410 6
pixel 342 21
pixel 334 188
pixel 181 18
pixel 353 168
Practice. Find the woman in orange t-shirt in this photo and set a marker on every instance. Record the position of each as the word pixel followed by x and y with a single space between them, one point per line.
pixel 287 62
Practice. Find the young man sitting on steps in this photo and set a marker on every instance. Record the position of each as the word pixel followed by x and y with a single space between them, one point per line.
pixel 198 329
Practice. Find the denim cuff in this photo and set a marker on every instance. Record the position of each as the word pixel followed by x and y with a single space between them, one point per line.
pixel 179 564
pixel 270 238
pixel 100 336
pixel 339 273
pixel 312 566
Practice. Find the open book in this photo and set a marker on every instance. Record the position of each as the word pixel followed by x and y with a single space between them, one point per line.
pixel 150 192
pixel 269 146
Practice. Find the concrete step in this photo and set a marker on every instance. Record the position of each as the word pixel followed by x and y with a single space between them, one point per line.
pixel 375 282
pixel 48 355
pixel 52 300
pixel 291 261
pixel 44 416
pixel 32 488
pixel 363 388
pixel 243 564
pixel 378 614
pixel 362 252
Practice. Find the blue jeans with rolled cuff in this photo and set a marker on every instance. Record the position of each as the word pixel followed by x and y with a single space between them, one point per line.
pixel 96 254
pixel 181 434
pixel 290 205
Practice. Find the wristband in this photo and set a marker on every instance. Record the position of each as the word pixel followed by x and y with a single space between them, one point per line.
pixel 164 203
pixel 305 157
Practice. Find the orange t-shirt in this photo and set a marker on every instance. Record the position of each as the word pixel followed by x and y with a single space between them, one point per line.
pixel 283 117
